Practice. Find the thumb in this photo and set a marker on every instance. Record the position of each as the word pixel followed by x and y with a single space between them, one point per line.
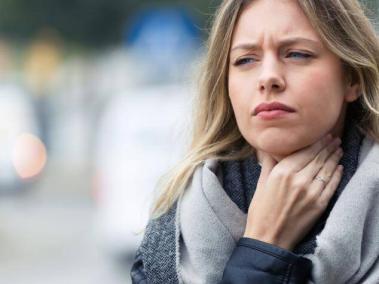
pixel 268 163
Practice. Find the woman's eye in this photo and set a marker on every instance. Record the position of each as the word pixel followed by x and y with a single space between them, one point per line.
pixel 299 55
pixel 244 61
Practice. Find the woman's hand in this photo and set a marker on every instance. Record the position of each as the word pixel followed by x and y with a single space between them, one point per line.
pixel 292 194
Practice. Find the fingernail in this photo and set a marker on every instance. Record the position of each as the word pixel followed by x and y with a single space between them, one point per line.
pixel 328 138
pixel 337 141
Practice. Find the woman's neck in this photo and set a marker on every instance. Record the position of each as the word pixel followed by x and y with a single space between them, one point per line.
pixel 337 131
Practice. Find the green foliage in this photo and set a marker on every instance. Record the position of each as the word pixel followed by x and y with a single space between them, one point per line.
pixel 89 22
pixel 94 23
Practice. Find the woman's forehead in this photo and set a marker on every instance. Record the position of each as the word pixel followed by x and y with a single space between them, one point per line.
pixel 263 19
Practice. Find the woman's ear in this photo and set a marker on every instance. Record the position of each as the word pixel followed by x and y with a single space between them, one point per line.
pixel 353 92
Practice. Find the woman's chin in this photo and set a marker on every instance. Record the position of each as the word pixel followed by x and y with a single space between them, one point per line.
pixel 279 148
pixel 278 154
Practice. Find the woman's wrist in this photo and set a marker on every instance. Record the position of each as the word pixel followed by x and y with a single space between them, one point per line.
pixel 270 239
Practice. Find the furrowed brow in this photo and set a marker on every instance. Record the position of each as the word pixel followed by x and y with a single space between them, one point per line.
pixel 245 46
pixel 285 42
pixel 300 40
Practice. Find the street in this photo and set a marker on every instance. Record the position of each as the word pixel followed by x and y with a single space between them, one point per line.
pixel 47 236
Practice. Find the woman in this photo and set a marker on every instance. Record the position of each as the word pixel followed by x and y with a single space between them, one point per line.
pixel 284 150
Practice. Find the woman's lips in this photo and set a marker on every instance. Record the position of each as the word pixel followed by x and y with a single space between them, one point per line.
pixel 273 114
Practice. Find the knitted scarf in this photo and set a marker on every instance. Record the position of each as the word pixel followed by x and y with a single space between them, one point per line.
pixel 240 179
pixel 159 248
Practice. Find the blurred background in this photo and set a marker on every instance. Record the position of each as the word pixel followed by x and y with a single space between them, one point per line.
pixel 95 100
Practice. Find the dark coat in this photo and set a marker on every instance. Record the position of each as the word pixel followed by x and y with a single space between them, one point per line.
pixel 252 261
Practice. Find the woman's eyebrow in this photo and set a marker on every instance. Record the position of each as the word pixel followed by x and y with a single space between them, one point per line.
pixel 245 46
pixel 295 40
pixel 285 42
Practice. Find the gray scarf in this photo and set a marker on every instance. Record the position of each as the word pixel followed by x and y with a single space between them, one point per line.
pixel 240 179
pixel 159 247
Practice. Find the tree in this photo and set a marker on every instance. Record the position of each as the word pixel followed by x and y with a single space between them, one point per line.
pixel 90 22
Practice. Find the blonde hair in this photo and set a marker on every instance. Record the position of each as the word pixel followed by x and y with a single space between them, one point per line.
pixel 345 30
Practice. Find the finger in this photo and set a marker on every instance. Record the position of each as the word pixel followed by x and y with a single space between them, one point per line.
pixel 332 186
pixel 327 158
pixel 330 165
pixel 298 160
pixel 326 172
pixel 268 163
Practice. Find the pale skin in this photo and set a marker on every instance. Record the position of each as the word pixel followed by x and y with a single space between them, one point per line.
pixel 282 59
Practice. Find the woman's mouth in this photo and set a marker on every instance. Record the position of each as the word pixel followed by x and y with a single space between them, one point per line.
pixel 273 114
pixel 273 110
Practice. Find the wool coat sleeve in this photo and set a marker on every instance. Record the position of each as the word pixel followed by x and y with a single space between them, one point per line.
pixel 254 261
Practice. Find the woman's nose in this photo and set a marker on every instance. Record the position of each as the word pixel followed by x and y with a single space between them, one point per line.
pixel 271 78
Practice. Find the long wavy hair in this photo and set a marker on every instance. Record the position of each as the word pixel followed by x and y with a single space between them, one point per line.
pixel 345 30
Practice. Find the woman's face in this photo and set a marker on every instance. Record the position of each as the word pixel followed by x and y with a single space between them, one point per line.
pixel 277 56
